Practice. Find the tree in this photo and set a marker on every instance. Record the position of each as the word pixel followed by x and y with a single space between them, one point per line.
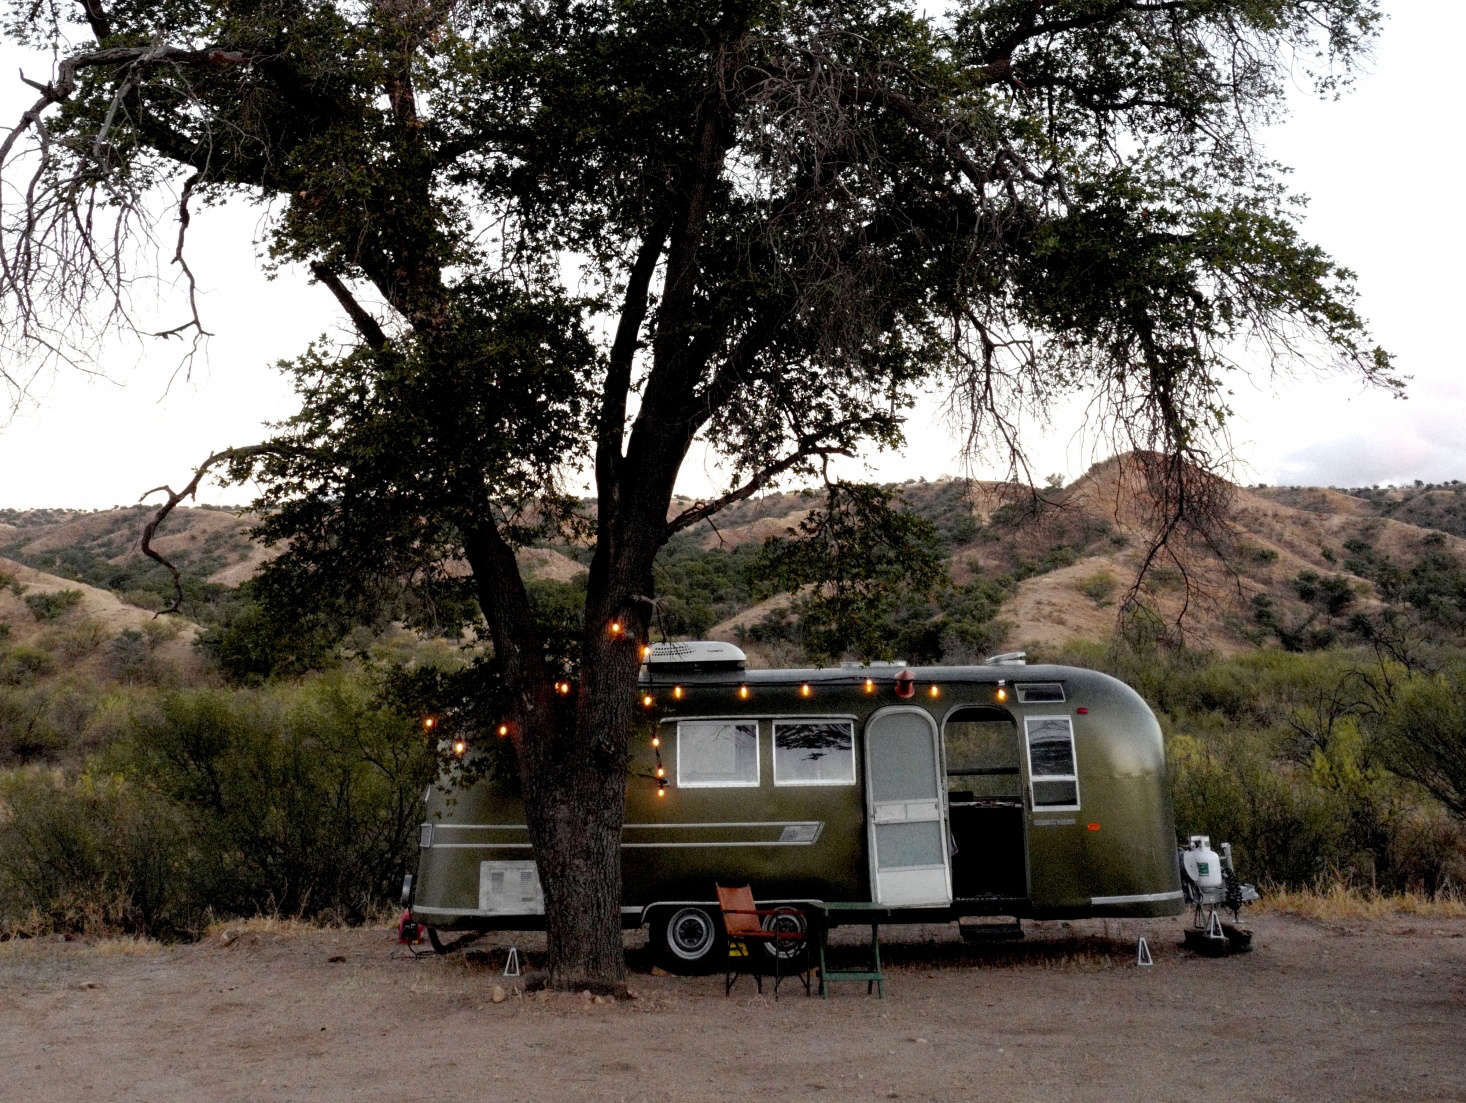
pixel 603 232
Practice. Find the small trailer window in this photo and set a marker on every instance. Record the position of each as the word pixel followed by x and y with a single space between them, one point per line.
pixel 714 753
pixel 1040 693
pixel 1051 769
pixel 814 752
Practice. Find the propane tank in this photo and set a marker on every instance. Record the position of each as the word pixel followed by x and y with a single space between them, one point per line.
pixel 1202 863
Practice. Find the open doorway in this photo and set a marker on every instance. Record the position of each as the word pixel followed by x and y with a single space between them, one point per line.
pixel 985 804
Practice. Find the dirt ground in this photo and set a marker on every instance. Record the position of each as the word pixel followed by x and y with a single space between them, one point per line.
pixel 1360 1011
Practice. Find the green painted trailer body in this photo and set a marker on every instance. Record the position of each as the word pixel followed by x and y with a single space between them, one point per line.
pixel 1030 791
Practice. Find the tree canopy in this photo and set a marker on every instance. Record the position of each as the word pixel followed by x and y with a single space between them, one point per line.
pixel 577 238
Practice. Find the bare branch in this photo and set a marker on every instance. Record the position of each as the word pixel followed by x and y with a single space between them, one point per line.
pixel 145 545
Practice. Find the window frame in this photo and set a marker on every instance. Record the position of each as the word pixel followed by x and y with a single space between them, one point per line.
pixel 1033 778
pixel 849 725
pixel 736 722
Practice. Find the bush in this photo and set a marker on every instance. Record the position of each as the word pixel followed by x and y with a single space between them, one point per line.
pixel 76 641
pixel 1099 587
pixel 23 665
pixel 92 853
pixel 130 658
pixel 303 801
pixel 53 605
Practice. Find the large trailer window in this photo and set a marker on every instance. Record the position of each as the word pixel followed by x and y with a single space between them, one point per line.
pixel 1051 769
pixel 717 753
pixel 814 752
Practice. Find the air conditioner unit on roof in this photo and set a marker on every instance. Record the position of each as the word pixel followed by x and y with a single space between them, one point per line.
pixel 696 656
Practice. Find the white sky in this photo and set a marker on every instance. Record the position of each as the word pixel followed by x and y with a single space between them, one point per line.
pixel 1380 165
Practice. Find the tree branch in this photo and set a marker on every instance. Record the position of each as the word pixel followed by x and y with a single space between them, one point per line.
pixel 689 517
pixel 365 324
pixel 150 530
pixel 623 352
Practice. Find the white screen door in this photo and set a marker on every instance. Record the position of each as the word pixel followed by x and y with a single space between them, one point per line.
pixel 910 865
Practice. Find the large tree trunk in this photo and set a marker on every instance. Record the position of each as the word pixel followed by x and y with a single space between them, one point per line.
pixel 575 824
pixel 575 801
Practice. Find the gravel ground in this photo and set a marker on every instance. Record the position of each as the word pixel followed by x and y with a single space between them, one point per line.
pixel 1357 1011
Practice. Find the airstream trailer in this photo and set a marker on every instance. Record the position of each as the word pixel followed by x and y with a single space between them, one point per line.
pixel 926 793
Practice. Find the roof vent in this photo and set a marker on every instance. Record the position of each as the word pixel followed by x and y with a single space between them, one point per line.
pixel 1008 658
pixel 695 657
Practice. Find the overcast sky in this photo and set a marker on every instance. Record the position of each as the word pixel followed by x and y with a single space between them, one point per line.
pixel 1382 166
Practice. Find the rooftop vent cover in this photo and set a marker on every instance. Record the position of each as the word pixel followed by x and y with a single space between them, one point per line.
pixel 1008 658
pixel 695 657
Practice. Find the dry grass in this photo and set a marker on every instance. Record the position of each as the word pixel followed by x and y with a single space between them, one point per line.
pixel 1341 902
pixel 276 924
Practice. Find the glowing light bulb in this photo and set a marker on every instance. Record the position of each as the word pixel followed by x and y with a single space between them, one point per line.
pixel 656 741
pixel 459 746
pixel 648 700
pixel 429 723
pixel 1001 694
pixel 804 690
pixel 870 685
pixel 503 730
pixel 661 771
pixel 743 692
pixel 677 692
pixel 934 691
pixel 615 628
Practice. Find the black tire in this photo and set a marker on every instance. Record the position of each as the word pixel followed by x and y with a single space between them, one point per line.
pixel 688 939
pixel 787 921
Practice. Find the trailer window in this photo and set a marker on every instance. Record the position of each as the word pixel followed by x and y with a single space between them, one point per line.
pixel 1051 769
pixel 717 753
pixel 1040 693
pixel 814 752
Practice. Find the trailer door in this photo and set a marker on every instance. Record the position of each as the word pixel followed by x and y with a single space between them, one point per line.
pixel 908 836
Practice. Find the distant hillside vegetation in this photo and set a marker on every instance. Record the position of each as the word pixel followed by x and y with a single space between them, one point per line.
pixel 1298 567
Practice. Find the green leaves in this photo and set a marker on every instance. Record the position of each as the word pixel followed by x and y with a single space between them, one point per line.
pixel 854 562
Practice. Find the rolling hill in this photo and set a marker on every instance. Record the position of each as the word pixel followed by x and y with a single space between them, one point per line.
pixel 1285 565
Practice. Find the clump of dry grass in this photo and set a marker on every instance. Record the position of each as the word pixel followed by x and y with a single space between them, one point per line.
pixel 1341 902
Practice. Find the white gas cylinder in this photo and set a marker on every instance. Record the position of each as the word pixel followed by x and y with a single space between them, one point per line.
pixel 1202 863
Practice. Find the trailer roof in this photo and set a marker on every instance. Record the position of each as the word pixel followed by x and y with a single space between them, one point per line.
pixel 984 674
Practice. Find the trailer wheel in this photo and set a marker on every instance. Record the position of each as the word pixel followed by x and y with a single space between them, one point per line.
pixel 688 939
pixel 793 929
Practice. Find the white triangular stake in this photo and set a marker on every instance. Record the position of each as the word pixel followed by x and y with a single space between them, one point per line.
pixel 511 965
pixel 1142 953
pixel 1214 927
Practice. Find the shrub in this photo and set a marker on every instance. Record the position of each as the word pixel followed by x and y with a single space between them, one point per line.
pixel 303 800
pixel 77 641
pixel 23 665
pixel 91 853
pixel 130 658
pixel 1099 587
pixel 52 605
